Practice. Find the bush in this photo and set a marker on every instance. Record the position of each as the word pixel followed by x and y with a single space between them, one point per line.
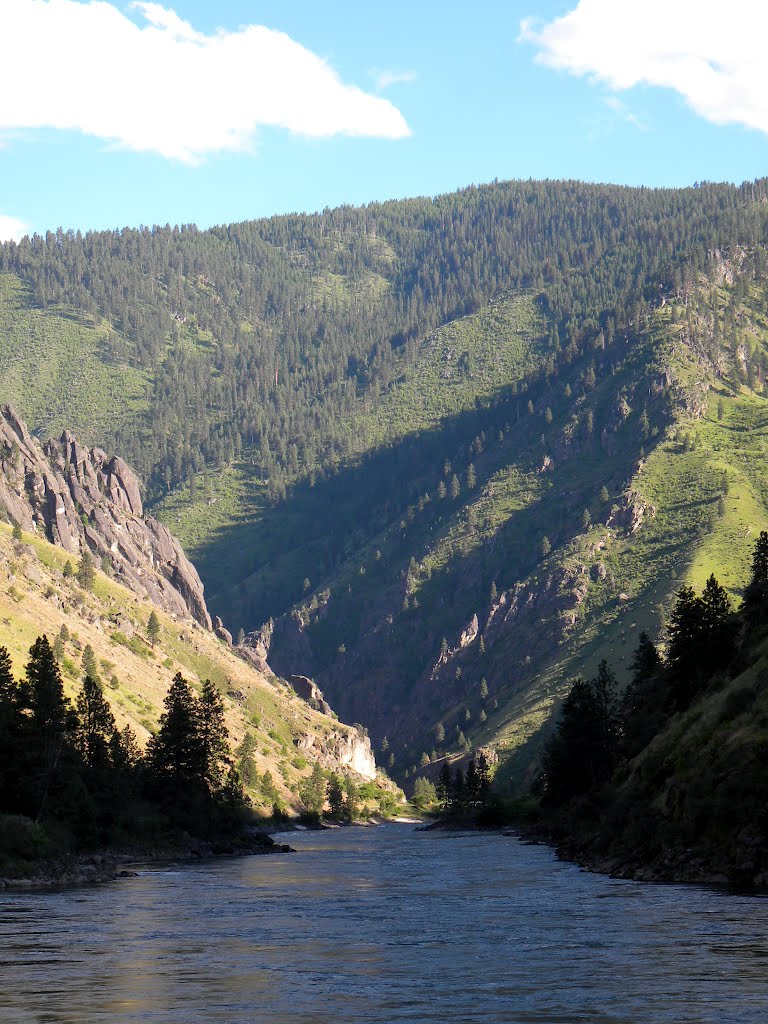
pixel 21 838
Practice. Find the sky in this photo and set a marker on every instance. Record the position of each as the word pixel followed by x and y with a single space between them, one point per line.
pixel 116 113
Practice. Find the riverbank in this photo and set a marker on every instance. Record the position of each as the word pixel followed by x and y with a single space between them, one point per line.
pixel 112 864
pixel 739 870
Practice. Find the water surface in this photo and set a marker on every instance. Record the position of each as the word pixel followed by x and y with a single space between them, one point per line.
pixel 386 925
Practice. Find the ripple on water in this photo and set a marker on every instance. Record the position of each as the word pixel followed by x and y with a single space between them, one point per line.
pixel 384 925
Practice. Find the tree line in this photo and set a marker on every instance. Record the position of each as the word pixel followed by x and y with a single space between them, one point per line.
pixel 262 337
pixel 66 766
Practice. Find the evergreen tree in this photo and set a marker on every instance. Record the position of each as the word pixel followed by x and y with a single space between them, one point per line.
pixel 351 799
pixel 213 735
pixel 153 628
pixel 312 791
pixel 95 724
pixel 335 796
pixel 583 750
pixel 47 723
pixel 176 756
pixel 246 765
pixel 756 592
pixel 90 668
pixel 10 730
pixel 444 787
pixel 86 574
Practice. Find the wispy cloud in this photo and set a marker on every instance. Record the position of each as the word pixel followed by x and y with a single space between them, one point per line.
pixel 623 113
pixel 384 79
pixel 712 55
pixel 160 86
pixel 12 229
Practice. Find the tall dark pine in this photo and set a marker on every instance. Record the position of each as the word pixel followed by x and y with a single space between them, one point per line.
pixel 583 750
pixel 756 592
pixel 646 700
pixel 95 724
pixel 47 722
pixel 175 754
pixel 10 721
pixel 214 735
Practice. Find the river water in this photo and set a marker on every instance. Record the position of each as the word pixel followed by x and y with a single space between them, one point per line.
pixel 386 925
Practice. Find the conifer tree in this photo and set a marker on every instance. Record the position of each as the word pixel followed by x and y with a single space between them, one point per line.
pixel 213 735
pixel 175 753
pixel 86 574
pixel 153 628
pixel 335 796
pixel 47 721
pixel 95 724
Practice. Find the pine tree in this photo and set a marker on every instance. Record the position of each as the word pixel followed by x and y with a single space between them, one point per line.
pixel 246 764
pixel 90 668
pixel 351 798
pixel 312 791
pixel 175 753
pixel 95 724
pixel 335 796
pixel 444 786
pixel 756 592
pixel 153 628
pixel 47 722
pixel 10 730
pixel 86 574
pixel 213 735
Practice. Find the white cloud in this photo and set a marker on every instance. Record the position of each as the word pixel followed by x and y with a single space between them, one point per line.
pixel 710 53
pixel 12 229
pixel 386 78
pixel 160 86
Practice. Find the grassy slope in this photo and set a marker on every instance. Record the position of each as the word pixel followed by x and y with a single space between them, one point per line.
pixel 35 598
pixel 52 369
pixel 691 535
pixel 232 532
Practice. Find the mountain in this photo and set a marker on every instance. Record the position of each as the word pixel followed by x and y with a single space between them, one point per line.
pixel 439 454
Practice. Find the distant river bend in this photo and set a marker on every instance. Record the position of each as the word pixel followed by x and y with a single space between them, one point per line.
pixel 386 925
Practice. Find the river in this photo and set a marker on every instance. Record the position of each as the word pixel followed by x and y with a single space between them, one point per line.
pixel 386 925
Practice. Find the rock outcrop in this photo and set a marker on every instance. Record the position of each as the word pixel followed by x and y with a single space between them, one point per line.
pixel 81 499
pixel 309 691
pixel 350 749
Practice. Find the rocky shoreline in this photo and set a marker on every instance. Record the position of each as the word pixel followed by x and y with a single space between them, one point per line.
pixel 111 865
pixel 672 866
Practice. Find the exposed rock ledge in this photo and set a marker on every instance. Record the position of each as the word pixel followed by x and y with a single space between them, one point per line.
pixel 82 499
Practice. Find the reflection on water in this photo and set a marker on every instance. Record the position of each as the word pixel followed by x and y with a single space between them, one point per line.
pixel 386 925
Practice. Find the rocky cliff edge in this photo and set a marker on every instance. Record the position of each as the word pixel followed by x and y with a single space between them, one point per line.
pixel 81 499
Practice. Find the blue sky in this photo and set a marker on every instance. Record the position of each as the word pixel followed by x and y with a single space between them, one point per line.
pixel 120 114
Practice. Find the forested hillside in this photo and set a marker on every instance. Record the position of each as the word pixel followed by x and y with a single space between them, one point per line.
pixel 669 780
pixel 449 446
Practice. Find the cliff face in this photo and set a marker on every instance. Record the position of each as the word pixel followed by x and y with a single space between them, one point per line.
pixel 81 499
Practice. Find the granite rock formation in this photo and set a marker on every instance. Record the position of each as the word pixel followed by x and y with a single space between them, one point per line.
pixel 82 499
